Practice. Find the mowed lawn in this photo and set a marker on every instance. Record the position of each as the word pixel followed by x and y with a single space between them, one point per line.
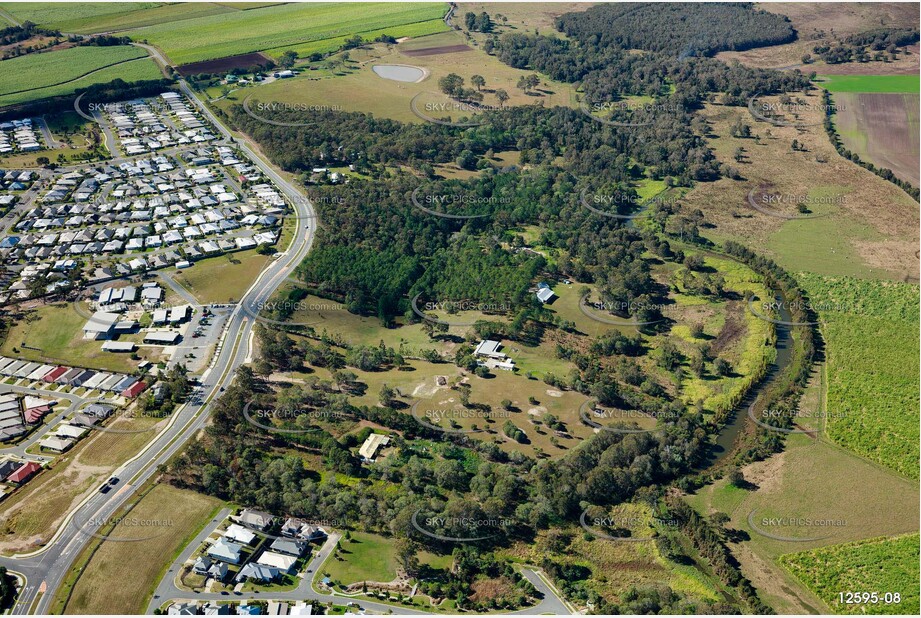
pixel 115 581
pixel 224 278
pixel 872 331
pixel 870 83
pixel 54 334
pixel 876 565
pixel 365 557
pixel 276 27
pixel 41 75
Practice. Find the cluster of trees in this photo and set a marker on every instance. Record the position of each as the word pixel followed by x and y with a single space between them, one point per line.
pixel 878 44
pixel 176 388
pixel 7 589
pixel 478 23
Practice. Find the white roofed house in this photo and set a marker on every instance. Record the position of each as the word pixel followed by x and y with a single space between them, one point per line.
pixel 101 325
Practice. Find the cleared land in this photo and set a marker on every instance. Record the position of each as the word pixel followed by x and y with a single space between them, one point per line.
pixel 351 85
pixel 222 279
pixel 63 71
pixel 882 128
pixel 869 227
pixel 872 331
pixel 815 480
pixel 882 565
pixel 364 557
pixel 106 585
pixel 280 27
pixel 815 23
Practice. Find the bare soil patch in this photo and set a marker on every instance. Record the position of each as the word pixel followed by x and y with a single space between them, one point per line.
pixel 435 51
pixel 223 65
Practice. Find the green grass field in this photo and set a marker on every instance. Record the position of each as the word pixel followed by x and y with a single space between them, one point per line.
pixel 366 557
pixel 62 72
pixel 224 278
pixel 875 565
pixel 871 329
pixel 281 26
pixel 871 83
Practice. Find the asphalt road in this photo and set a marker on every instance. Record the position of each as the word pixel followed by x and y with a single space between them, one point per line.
pixel 45 569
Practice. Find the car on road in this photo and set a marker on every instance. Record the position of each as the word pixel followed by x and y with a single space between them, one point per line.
pixel 113 481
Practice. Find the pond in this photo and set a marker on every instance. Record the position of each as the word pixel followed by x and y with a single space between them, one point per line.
pixel 399 72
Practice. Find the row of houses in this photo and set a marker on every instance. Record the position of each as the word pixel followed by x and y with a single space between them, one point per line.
pixel 19 413
pixel 18 135
pixel 125 385
pixel 212 608
pixel 17 473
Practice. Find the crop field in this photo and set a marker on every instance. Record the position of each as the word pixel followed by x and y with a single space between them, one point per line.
pixel 279 27
pixel 882 128
pixel 869 230
pixel 880 565
pixel 871 83
pixel 872 333
pixel 62 72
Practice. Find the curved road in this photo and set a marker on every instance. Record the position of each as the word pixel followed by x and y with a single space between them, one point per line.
pixel 45 569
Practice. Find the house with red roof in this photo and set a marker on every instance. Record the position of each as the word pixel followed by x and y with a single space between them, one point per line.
pixel 24 473
pixel 134 390
pixel 56 373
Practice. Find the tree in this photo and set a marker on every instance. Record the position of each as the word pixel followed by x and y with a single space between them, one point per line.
pixel 478 81
pixel 502 96
pixel 452 84
pixel 736 478
pixel 288 58
pixel 722 367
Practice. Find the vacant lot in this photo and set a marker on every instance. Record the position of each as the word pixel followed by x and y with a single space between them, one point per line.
pixel 63 71
pixel 883 565
pixel 107 584
pixel 222 279
pixel 871 331
pixel 882 128
pixel 277 27
pixel 364 557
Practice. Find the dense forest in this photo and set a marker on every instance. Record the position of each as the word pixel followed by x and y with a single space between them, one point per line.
pixel 679 29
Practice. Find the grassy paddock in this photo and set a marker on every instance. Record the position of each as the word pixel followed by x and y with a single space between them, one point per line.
pixel 224 278
pixel 870 83
pixel 114 580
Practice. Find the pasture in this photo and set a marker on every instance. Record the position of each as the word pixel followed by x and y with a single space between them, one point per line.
pixel 881 565
pixel 364 557
pixel 279 27
pixel 872 330
pixel 871 232
pixel 814 480
pixel 351 84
